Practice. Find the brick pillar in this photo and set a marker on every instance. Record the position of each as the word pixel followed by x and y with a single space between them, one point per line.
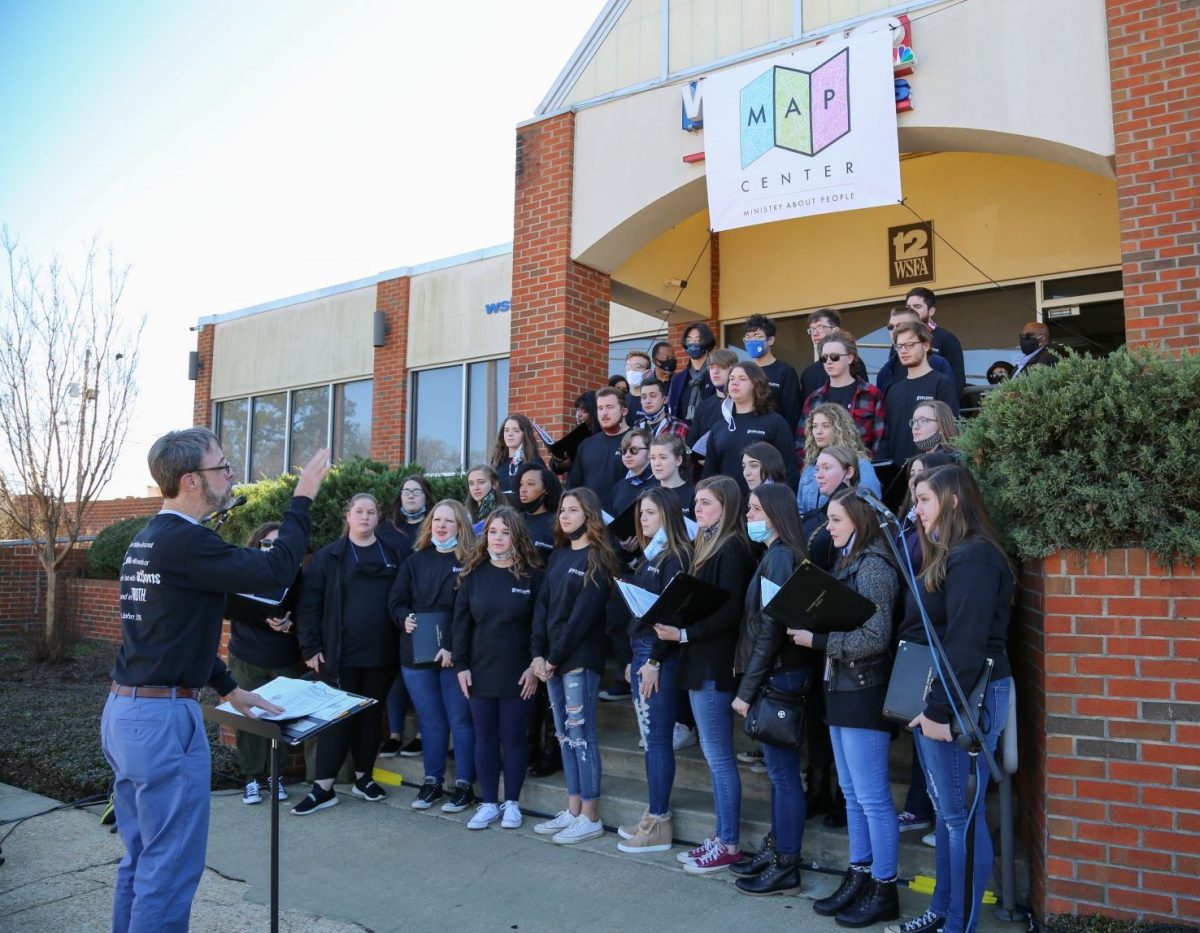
pixel 202 399
pixel 1107 665
pixel 389 416
pixel 676 330
pixel 559 327
pixel 1154 58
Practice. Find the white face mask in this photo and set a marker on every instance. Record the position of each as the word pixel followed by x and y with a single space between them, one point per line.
pixel 656 544
pixel 634 378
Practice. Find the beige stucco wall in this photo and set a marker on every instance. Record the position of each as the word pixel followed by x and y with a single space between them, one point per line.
pixel 308 343
pixel 447 319
pixel 1026 77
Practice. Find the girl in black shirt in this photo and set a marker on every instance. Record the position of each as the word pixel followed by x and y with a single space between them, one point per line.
pixel 483 494
pixel 723 558
pixel 668 454
pixel 424 595
pixel 568 647
pixel 263 646
pixel 493 618
pixel 408 514
pixel 348 640
pixel 515 445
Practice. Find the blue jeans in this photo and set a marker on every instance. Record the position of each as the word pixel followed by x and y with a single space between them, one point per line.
pixel 158 751
pixel 947 768
pixel 789 808
pixel 397 706
pixel 573 696
pixel 714 721
pixel 862 768
pixel 656 723
pixel 442 709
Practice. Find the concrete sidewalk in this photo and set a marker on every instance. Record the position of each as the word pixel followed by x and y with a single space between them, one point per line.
pixel 385 867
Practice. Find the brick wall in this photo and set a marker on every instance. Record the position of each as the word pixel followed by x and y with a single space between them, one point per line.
pixel 23 586
pixel 1107 654
pixel 559 328
pixel 104 512
pixel 202 398
pixel 1154 56
pixel 390 402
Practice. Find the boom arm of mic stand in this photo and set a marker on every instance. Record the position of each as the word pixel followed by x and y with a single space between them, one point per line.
pixel 976 737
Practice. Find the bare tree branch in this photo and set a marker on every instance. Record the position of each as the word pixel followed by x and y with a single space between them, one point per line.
pixel 67 394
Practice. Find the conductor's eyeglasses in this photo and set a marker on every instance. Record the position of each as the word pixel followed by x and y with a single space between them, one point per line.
pixel 224 467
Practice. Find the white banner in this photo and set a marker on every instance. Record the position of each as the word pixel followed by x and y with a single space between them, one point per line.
pixel 809 132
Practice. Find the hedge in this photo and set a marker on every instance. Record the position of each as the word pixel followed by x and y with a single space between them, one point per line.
pixel 1094 453
pixel 107 552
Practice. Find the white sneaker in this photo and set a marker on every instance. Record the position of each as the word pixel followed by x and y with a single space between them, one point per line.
pixel 485 815
pixel 930 839
pixel 280 791
pixel 556 825
pixel 581 830
pixel 682 736
pixel 513 817
pixel 251 794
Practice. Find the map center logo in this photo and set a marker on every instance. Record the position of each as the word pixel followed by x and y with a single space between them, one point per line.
pixel 800 111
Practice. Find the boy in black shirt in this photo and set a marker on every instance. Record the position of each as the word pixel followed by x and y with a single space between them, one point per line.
pixel 598 461
pixel 781 377
pixel 913 342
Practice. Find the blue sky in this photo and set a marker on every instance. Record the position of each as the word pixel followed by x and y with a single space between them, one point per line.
pixel 235 153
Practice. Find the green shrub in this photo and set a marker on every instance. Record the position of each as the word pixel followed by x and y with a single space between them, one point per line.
pixel 107 552
pixel 1094 453
pixel 268 499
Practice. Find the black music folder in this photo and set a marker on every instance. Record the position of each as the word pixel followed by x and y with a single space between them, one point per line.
pixel 684 597
pixel 430 635
pixel 624 524
pixel 566 447
pixel 812 599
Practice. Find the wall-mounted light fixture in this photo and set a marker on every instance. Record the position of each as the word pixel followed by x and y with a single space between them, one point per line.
pixel 194 365
pixel 381 329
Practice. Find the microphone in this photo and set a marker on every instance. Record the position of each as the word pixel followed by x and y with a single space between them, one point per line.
pixel 873 501
pixel 221 514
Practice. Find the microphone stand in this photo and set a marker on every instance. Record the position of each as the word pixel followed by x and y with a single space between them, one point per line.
pixel 972 738
pixel 221 514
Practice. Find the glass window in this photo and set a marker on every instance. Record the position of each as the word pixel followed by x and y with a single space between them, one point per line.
pixel 488 404
pixel 437 429
pixel 231 432
pixel 352 419
pixel 267 434
pixel 310 423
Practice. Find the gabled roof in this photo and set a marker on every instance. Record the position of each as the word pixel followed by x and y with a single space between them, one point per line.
pixel 581 57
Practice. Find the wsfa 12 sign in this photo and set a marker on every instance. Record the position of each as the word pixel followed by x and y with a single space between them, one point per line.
pixel 910 254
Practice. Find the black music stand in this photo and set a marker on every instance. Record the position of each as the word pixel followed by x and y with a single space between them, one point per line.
pixel 278 732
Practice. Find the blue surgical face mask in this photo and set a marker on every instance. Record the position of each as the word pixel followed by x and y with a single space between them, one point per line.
pixel 758 531
pixel 756 348
pixel 448 545
pixel 655 545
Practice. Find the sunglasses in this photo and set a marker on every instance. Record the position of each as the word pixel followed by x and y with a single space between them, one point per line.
pixel 832 357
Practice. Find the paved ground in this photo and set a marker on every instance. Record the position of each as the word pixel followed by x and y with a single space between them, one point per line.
pixel 384 867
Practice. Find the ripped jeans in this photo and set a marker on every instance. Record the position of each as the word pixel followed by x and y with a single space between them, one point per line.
pixel 573 696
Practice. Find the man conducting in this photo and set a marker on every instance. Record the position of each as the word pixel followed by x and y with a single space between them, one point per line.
pixel 173 585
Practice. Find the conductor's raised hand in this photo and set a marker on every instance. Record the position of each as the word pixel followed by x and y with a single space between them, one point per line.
pixel 313 473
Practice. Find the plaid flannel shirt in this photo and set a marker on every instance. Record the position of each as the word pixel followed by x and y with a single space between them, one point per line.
pixel 866 410
pixel 669 425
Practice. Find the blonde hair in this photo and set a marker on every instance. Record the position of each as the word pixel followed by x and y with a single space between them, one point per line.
pixel 466 537
pixel 845 432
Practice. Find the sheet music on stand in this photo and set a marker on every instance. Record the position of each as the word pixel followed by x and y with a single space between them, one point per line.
pixel 308 706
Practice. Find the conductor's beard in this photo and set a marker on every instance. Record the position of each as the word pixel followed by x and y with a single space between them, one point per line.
pixel 214 500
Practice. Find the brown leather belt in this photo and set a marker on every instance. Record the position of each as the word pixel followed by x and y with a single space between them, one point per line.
pixel 156 693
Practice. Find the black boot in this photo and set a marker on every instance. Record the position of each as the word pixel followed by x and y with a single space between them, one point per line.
pixel 782 876
pixel 748 868
pixel 878 904
pixel 854 883
pixel 817 791
pixel 836 817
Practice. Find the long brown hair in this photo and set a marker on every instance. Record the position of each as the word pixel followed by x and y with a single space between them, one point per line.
pixel 778 503
pixel 862 517
pixel 678 545
pixel 525 555
pixel 946 423
pixel 961 515
pixel 529 441
pixel 602 559
pixel 764 401
pixel 466 537
pixel 732 524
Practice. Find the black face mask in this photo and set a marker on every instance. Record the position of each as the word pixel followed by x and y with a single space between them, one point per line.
pixel 578 532
pixel 530 507
pixel 1029 344
pixel 667 365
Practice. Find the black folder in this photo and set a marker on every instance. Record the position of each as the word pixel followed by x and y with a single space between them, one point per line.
pixel 430 635
pixel 912 678
pixel 812 599
pixel 624 524
pixel 566 447
pixel 684 599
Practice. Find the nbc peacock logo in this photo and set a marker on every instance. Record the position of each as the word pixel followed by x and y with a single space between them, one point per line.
pixel 801 111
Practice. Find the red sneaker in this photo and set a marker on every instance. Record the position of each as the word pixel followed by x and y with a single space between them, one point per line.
pixel 717 858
